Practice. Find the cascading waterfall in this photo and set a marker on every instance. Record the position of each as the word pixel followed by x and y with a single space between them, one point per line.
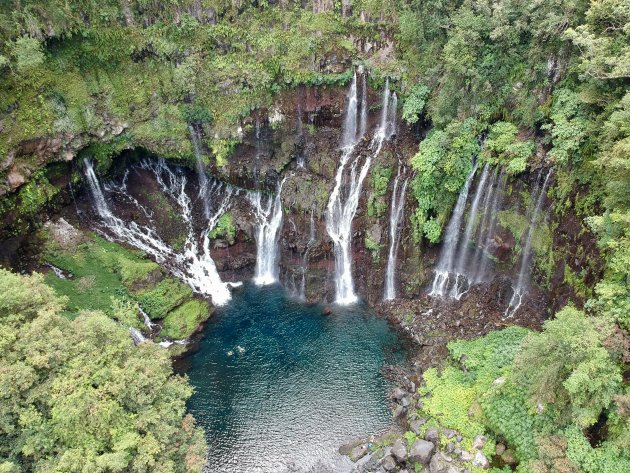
pixel 447 255
pixel 462 279
pixel 344 199
pixel 487 228
pixel 269 218
pixel 194 267
pixel 519 290
pixel 395 217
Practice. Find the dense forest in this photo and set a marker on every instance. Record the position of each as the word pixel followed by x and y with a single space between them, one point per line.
pixel 545 84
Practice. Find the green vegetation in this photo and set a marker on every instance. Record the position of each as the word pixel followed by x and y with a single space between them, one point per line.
pixel 379 181
pixel 113 280
pixel 537 391
pixel 443 161
pixel 77 395
pixel 224 229
pixel 185 319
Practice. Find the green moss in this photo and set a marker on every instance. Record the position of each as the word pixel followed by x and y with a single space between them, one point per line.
pixel 379 181
pixel 374 247
pixel 184 320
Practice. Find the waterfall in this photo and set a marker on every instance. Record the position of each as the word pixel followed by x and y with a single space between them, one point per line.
pixel 300 129
pixel 519 290
pixel 462 280
pixel 344 199
pixel 395 217
pixel 194 267
pixel 201 171
pixel 447 254
pixel 269 218
pixel 311 241
pixel 137 336
pixel 364 103
pixel 487 228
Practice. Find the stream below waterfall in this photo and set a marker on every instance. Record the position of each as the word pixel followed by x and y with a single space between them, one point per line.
pixel 279 386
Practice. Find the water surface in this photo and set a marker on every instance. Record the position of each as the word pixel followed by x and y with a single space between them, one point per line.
pixel 279 386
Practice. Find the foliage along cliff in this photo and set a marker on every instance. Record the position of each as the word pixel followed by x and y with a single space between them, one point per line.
pixel 546 83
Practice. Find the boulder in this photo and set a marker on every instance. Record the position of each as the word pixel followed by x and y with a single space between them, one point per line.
pixel 326 311
pixel 388 463
pixel 358 452
pixel 466 456
pixel 406 401
pixel 416 425
pixel 479 442
pixel 398 411
pixel 421 452
pixel 398 393
pixel 399 450
pixel 480 460
pixel 438 464
pixel 499 449
pixel 432 435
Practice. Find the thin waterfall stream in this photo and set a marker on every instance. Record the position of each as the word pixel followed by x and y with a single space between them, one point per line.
pixel 395 218
pixel 520 289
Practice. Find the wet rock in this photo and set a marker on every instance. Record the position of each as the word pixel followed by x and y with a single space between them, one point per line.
pixel 480 460
pixel 358 452
pixel 479 442
pixel 398 411
pixel 509 457
pixel 416 425
pixel 388 463
pixel 438 463
pixel 399 450
pixel 327 311
pixel 421 452
pixel 64 234
pixel 15 180
pixel 398 393
pixel 432 435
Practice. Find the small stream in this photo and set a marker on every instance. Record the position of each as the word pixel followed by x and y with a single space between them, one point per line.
pixel 280 386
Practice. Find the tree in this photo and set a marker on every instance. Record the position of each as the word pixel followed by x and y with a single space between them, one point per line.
pixel 566 368
pixel 79 396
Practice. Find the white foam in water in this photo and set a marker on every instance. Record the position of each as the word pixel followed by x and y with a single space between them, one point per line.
pixel 194 266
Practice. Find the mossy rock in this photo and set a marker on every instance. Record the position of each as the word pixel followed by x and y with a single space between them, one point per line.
pixel 184 320
pixel 165 296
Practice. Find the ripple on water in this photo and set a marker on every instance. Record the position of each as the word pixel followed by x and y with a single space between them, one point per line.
pixel 279 387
